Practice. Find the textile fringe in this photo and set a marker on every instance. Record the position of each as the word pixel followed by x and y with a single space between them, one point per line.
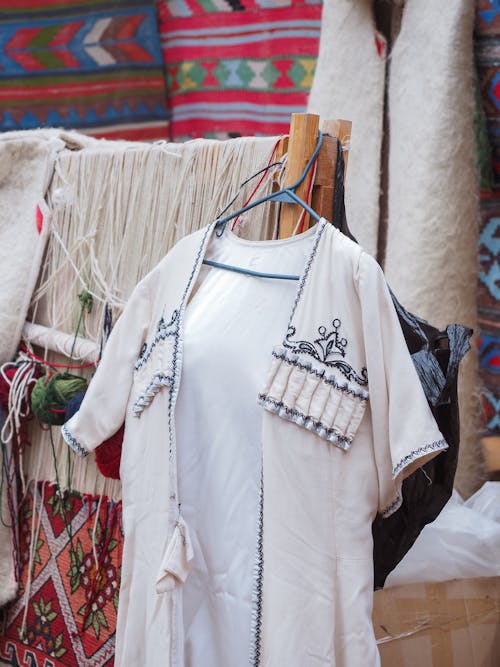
pixel 84 476
pixel 35 532
pixel 117 208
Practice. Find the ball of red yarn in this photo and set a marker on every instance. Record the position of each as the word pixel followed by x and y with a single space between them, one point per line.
pixel 9 372
pixel 108 455
pixel 5 387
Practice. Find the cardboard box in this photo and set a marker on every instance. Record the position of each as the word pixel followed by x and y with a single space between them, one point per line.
pixel 450 624
pixel 491 452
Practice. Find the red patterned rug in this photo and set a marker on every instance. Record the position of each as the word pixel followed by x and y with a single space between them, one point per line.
pixel 487 53
pixel 237 67
pixel 70 618
pixel 94 66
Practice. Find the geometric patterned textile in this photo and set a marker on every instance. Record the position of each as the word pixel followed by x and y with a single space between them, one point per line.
pixel 487 55
pixel 95 66
pixel 223 68
pixel 489 307
pixel 70 618
pixel 237 67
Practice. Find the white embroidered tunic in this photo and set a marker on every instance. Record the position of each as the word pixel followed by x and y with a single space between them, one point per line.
pixel 343 419
pixel 231 324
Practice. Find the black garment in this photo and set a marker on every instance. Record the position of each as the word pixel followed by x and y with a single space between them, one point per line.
pixel 436 355
pixel 428 489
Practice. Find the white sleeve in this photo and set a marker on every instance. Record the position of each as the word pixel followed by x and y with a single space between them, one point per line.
pixel 405 433
pixel 103 409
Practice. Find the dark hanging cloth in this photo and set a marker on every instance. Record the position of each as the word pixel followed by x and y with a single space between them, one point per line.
pixel 436 355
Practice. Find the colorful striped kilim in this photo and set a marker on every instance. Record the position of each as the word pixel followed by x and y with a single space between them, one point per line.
pixel 227 68
pixel 94 66
pixel 71 606
pixel 224 67
pixel 487 50
pixel 237 67
pixel 489 307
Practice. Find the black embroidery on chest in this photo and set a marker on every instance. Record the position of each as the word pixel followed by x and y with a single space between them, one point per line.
pixel 163 331
pixel 329 349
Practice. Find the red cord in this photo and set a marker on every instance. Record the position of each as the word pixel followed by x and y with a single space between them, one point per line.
pixel 309 191
pixel 54 365
pixel 258 184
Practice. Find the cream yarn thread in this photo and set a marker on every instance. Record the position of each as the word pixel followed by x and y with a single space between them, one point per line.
pixel 117 208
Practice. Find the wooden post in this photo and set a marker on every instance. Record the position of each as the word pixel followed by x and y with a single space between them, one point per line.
pixel 342 130
pixel 301 144
pixel 324 183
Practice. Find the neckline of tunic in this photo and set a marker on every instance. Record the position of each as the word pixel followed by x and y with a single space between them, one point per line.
pixel 316 231
pixel 268 243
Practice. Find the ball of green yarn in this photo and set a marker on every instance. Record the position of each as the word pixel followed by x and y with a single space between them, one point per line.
pixel 52 393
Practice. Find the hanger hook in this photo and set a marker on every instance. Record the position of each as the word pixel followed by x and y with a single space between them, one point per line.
pixel 222 228
pixel 278 196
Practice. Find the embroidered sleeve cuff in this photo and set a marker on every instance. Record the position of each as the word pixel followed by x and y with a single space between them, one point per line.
pixel 393 506
pixel 72 442
pixel 408 464
pixel 417 458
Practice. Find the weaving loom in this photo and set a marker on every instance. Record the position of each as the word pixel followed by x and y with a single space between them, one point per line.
pixel 101 199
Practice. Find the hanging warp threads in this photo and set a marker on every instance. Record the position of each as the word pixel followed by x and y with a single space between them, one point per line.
pixel 16 382
pixel 49 398
pixel 117 208
pixel 53 392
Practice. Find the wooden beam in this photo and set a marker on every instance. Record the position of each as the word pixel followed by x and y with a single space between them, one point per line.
pixel 300 145
pixel 342 130
pixel 324 182
pixel 60 342
pixel 302 141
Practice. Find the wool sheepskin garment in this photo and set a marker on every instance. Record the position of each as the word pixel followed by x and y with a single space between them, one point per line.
pixel 26 167
pixel 349 82
pixel 343 419
pixel 432 198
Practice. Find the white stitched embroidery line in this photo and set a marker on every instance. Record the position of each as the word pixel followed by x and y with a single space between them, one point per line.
pixel 164 331
pixel 306 421
pixel 72 442
pixel 393 507
pixel 146 397
pixel 258 572
pixel 438 445
pixel 293 360
pixel 321 226
pixel 417 453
